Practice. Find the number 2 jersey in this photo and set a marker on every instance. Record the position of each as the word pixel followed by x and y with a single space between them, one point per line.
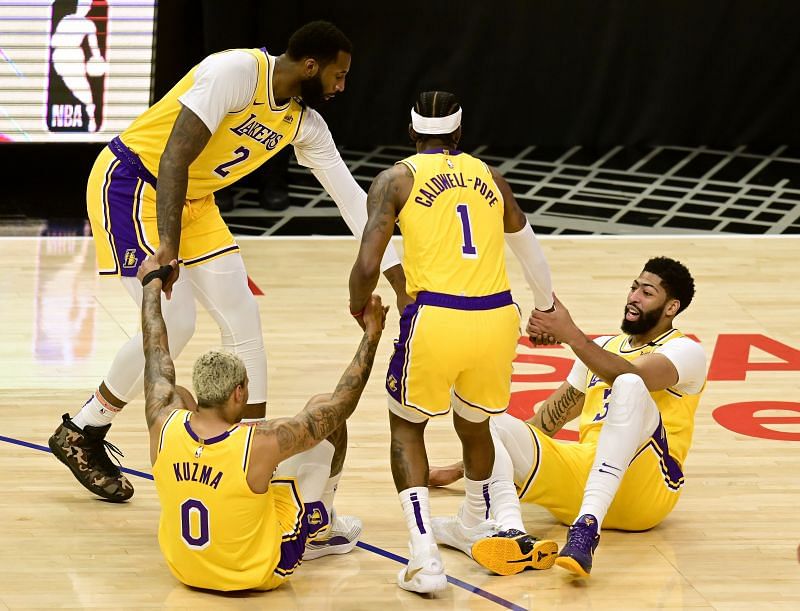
pixel 214 531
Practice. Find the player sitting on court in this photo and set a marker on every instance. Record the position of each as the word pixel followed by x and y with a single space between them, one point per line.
pixel 636 395
pixel 242 506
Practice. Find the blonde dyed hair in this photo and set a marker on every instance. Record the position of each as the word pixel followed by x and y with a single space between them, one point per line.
pixel 215 375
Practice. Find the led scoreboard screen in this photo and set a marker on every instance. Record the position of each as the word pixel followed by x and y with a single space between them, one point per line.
pixel 73 70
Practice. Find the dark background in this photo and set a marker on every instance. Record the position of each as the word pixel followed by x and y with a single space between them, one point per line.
pixel 550 73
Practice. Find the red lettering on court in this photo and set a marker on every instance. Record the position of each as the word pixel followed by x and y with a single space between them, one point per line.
pixel 254 287
pixel 741 418
pixel 522 403
pixel 731 360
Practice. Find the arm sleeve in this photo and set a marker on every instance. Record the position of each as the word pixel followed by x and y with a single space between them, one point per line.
pixel 223 83
pixel 689 359
pixel 316 150
pixel 527 250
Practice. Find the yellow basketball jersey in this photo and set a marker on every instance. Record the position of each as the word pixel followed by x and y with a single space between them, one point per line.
pixel 452 226
pixel 677 409
pixel 243 141
pixel 214 531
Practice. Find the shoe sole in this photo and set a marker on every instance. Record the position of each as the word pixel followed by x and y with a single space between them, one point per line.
pixel 58 452
pixel 312 553
pixel 572 565
pixel 504 557
pixel 433 586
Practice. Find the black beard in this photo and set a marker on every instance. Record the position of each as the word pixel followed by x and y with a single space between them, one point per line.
pixel 643 324
pixel 311 92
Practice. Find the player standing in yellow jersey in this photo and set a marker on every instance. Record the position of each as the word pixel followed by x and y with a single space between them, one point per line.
pixel 458 339
pixel 151 192
pixel 636 395
pixel 242 506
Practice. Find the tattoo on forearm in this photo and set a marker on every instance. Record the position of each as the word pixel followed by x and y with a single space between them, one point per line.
pixel 556 414
pixel 319 421
pixel 159 370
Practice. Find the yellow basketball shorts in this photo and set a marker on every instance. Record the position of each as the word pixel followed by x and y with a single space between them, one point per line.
pixel 648 492
pixel 461 344
pixel 293 520
pixel 121 203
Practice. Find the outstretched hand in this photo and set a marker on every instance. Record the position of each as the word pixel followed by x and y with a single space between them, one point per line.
pixel 151 265
pixel 551 327
pixel 373 318
pixel 162 257
pixel 444 476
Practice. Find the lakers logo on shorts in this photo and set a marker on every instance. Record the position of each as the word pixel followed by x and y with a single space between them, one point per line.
pixel 315 517
pixel 391 382
pixel 130 260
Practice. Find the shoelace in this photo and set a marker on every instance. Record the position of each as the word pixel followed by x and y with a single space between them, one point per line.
pixel 581 536
pixel 108 450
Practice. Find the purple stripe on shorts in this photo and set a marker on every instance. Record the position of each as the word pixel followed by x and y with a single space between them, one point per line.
pixel 457 302
pixel 486 500
pixel 316 517
pixel 674 473
pixel 395 376
pixel 121 196
pixel 417 512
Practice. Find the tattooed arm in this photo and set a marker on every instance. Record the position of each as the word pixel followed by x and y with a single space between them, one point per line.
pixel 563 405
pixel 188 138
pixel 281 438
pixel 160 397
pixel 385 199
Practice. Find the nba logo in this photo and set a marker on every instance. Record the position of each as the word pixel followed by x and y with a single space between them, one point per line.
pixel 78 67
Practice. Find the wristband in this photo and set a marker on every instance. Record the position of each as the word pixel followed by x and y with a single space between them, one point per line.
pixel 162 273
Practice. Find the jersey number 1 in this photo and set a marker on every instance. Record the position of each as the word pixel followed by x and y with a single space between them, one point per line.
pixel 468 250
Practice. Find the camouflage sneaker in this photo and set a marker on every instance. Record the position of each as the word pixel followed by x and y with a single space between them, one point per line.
pixel 84 452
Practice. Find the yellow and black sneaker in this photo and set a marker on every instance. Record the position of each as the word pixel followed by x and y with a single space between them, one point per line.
pixel 84 452
pixel 512 551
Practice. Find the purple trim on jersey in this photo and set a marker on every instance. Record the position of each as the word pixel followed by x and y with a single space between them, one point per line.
pixel 673 474
pixel 207 442
pixel 451 152
pixel 396 375
pixel 486 500
pixel 131 159
pixel 211 255
pixel 417 512
pixel 457 302
pixel 121 195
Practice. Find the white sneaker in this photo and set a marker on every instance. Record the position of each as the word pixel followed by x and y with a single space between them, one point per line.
pixel 341 538
pixel 450 531
pixel 424 573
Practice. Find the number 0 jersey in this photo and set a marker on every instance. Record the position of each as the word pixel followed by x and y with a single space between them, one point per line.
pixel 452 226
pixel 244 140
pixel 214 531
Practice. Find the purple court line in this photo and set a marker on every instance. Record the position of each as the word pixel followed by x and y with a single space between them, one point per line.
pixel 366 546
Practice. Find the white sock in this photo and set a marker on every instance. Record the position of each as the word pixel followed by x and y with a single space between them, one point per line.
pixel 329 493
pixel 476 507
pixel 417 511
pixel 505 505
pixel 95 412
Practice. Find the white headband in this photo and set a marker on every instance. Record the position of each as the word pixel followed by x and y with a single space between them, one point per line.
pixel 435 125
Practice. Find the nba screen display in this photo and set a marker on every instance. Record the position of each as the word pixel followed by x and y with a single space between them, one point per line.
pixel 73 70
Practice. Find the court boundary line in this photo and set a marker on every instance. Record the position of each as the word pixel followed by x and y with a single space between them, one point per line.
pixel 363 545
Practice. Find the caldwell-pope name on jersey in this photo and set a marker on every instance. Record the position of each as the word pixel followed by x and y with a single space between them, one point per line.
pixel 442 182
pixel 258 132
pixel 188 472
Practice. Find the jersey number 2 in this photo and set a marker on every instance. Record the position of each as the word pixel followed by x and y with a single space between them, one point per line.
pixel 468 250
pixel 241 153
pixel 197 535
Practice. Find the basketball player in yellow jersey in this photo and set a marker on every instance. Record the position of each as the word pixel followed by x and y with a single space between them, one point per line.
pixel 458 339
pixel 242 506
pixel 636 395
pixel 151 192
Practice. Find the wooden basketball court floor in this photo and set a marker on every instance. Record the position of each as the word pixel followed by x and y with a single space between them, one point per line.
pixel 730 544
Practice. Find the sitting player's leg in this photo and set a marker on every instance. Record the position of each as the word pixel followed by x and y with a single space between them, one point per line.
pixel 80 442
pixel 500 545
pixel 632 418
pixel 220 285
